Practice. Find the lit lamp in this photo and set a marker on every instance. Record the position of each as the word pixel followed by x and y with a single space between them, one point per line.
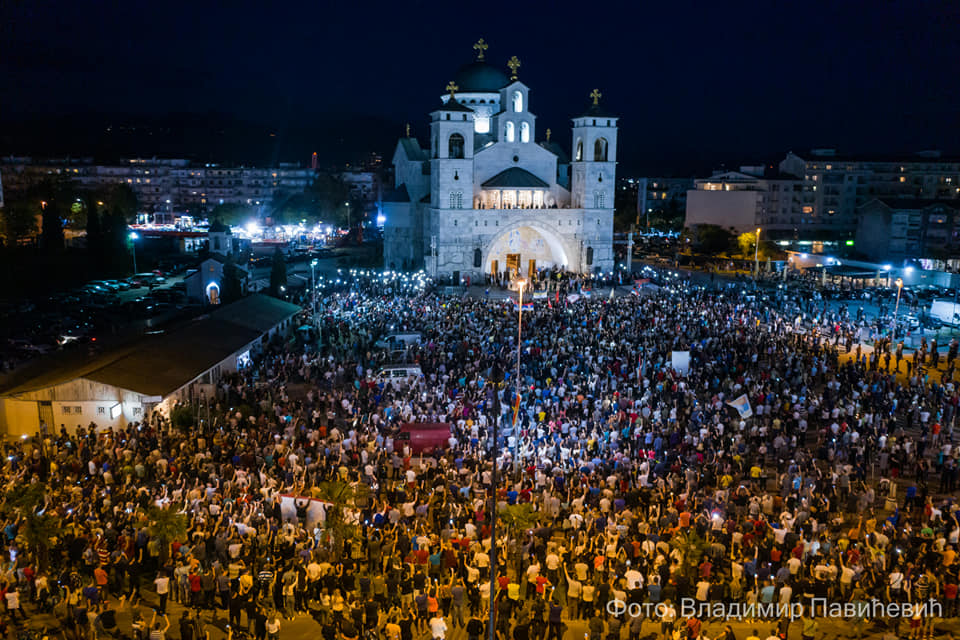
pixel 756 255
pixel 133 245
pixel 516 436
pixel 896 308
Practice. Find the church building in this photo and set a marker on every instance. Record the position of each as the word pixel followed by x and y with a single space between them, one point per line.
pixel 485 197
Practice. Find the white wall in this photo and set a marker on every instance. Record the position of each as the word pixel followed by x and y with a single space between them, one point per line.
pixel 737 209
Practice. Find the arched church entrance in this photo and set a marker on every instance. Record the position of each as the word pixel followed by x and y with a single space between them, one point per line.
pixel 524 248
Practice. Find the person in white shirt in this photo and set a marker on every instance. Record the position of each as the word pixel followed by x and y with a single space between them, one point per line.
pixel 438 627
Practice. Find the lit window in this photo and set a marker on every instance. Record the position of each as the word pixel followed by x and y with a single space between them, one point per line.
pixel 524 132
pixel 510 132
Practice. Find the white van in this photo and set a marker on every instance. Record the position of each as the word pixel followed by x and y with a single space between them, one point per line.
pixel 400 374
pixel 399 341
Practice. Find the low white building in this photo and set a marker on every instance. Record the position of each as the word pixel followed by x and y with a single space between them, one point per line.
pixel 154 373
pixel 485 197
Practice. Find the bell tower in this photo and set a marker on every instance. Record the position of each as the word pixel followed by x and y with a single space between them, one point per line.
pixel 451 154
pixel 593 158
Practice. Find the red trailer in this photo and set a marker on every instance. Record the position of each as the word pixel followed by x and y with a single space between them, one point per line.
pixel 424 436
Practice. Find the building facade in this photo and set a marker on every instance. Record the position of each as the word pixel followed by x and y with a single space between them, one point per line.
pixel 893 230
pixel 164 185
pixel 745 200
pixel 485 197
pixel 834 185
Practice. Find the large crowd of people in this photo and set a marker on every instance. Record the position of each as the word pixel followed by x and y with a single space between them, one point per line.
pixel 778 464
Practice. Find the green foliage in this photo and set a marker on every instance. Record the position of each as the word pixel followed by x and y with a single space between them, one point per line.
pixel 692 546
pixel 712 239
pixel 519 516
pixel 38 530
pixel 232 289
pixel 325 200
pixel 27 499
pixel 20 221
pixel 232 214
pixel 182 416
pixel 166 525
pixel 278 273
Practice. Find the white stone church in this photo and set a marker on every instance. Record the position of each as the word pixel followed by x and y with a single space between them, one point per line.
pixel 486 197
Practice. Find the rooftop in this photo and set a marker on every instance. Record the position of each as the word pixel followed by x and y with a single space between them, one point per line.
pixel 159 365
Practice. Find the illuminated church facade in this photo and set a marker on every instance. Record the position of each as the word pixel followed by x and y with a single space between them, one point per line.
pixel 484 196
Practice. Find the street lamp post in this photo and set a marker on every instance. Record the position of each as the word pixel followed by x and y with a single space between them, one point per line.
pixel 756 255
pixel 496 377
pixel 313 295
pixel 896 308
pixel 516 415
pixel 133 246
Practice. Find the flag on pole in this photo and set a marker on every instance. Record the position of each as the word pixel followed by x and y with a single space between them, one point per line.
pixel 742 405
pixel 612 289
pixel 516 410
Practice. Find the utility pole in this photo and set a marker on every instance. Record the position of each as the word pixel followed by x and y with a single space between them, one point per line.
pixel 496 377
pixel 433 254
pixel 630 250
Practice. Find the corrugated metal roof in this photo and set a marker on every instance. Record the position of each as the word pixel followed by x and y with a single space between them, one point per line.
pixel 159 365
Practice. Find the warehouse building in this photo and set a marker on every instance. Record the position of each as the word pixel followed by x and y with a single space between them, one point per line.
pixel 154 373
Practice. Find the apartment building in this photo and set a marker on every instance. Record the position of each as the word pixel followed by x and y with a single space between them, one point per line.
pixel 166 185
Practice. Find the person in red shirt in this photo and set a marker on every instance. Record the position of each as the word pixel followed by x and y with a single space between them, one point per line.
pixel 196 588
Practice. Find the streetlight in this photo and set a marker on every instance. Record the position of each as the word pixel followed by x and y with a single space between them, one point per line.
pixel 516 414
pixel 496 378
pixel 896 309
pixel 313 292
pixel 133 245
pixel 756 255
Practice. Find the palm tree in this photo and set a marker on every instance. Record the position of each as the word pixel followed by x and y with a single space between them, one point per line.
pixel 519 516
pixel 339 495
pixel 166 525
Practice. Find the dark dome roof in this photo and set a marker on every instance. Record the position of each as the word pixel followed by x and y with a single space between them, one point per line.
pixel 479 77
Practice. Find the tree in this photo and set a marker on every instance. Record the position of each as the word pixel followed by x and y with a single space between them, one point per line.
pixel 37 526
pixel 52 227
pixel 326 200
pixel 232 281
pixel 278 273
pixel 519 516
pixel 338 497
pixel 20 220
pixel 748 244
pixel 233 214
pixel 712 239
pixel 167 526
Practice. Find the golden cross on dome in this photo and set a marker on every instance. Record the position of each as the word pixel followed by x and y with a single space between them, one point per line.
pixel 548 135
pixel 408 130
pixel 514 64
pixel 452 88
pixel 480 47
pixel 595 94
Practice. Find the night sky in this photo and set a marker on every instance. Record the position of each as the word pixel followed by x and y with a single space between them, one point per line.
pixel 696 84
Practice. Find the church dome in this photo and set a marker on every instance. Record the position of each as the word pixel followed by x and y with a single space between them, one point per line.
pixel 480 77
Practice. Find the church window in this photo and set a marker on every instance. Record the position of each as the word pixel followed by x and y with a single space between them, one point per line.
pixel 579 155
pixel 509 133
pixel 455 146
pixel 600 150
pixel 456 199
pixel 524 132
pixel 598 200
pixel 448 116
pixel 517 101
pixel 608 123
